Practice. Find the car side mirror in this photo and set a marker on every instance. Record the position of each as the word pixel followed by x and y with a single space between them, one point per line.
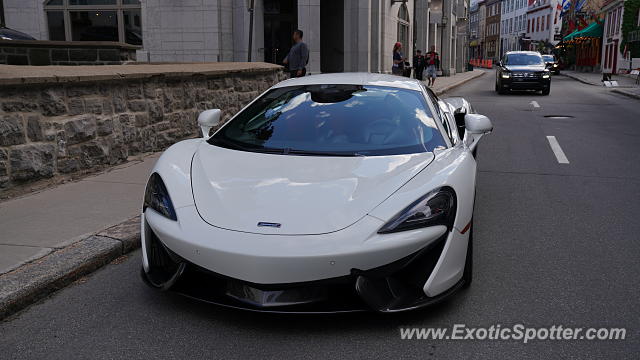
pixel 208 119
pixel 500 63
pixel 477 124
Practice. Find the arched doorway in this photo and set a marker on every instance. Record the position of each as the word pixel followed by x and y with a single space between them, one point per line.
pixel 403 27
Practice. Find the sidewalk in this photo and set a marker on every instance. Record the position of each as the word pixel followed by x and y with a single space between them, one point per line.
pixel 596 79
pixel 446 83
pixel 37 224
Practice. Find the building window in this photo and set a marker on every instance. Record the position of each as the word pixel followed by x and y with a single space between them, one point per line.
pixel 94 20
pixel 403 26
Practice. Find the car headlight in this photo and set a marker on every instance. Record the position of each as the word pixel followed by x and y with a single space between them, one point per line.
pixel 545 75
pixel 506 75
pixel 438 207
pixel 555 65
pixel 157 197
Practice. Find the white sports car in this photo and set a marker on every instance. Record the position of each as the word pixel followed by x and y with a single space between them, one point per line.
pixel 327 193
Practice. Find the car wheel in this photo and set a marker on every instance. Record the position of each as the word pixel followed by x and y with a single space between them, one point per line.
pixel 467 275
pixel 546 91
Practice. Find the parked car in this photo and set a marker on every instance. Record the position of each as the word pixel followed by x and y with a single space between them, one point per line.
pixel 522 70
pixel 10 34
pixel 328 193
pixel 551 63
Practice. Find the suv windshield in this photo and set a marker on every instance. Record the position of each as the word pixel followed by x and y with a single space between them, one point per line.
pixel 334 120
pixel 523 59
pixel 548 58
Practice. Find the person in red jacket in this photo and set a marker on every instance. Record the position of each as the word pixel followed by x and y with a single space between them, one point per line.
pixel 433 63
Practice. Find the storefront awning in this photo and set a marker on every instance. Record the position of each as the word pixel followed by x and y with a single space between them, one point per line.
pixel 594 30
pixel 570 36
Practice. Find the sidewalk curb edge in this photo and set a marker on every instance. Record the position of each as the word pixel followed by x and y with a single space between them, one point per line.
pixel 452 86
pixel 40 278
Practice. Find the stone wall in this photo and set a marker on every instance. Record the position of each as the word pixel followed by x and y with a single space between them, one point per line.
pixel 39 53
pixel 69 124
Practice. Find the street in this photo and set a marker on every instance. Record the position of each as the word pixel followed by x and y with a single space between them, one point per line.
pixel 555 243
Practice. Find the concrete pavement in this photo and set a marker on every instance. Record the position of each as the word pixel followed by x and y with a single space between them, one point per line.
pixel 444 84
pixel 37 224
pixel 596 79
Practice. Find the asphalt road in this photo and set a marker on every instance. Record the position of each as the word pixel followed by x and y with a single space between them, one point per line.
pixel 555 244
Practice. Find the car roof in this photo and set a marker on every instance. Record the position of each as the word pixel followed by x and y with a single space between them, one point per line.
pixel 522 52
pixel 359 78
pixel 11 34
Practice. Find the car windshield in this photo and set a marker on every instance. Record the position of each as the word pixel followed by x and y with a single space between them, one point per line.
pixel 334 120
pixel 523 59
pixel 548 58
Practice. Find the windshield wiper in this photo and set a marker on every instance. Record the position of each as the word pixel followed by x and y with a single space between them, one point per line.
pixel 321 153
pixel 285 151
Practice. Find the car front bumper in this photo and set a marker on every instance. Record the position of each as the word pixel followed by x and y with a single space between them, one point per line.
pixel 336 272
pixel 525 83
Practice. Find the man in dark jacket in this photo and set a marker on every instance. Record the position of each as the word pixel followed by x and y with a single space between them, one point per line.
pixel 418 65
pixel 298 56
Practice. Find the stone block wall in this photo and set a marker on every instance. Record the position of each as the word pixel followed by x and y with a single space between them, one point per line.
pixel 74 126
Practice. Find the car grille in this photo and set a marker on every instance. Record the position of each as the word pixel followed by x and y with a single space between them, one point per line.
pixel 526 75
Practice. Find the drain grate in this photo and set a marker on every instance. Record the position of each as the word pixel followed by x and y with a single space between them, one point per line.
pixel 559 116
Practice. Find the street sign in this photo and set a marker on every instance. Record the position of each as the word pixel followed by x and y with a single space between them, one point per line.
pixel 557 37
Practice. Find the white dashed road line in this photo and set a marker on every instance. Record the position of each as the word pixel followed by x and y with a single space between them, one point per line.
pixel 557 150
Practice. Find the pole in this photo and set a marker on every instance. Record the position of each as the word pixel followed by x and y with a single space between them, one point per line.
pixel 251 5
pixel 2 23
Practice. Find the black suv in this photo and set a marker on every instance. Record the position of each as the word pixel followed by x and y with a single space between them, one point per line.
pixel 523 70
pixel 552 63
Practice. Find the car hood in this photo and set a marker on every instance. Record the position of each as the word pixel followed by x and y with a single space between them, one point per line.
pixel 306 195
pixel 525 67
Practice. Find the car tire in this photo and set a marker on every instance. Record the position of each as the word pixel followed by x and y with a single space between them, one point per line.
pixel 546 91
pixel 467 275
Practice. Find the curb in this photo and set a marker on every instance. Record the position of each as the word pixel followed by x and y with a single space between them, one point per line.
pixel 579 79
pixel 447 88
pixel 36 280
pixel 626 93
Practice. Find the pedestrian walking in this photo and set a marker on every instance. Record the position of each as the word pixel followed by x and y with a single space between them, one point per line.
pixel 298 56
pixel 433 63
pixel 418 65
pixel 398 60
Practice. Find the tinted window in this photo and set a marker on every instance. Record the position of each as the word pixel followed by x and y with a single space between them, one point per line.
pixel 548 58
pixel 523 59
pixel 337 120
pixel 95 25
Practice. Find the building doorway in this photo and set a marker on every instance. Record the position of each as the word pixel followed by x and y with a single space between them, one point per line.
pixel 331 36
pixel 280 20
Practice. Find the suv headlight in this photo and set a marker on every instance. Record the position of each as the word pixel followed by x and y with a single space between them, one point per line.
pixel 545 75
pixel 157 197
pixel 438 207
pixel 506 75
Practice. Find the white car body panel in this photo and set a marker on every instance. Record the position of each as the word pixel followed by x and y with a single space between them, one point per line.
pixel 330 208
pixel 276 259
pixel 236 190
